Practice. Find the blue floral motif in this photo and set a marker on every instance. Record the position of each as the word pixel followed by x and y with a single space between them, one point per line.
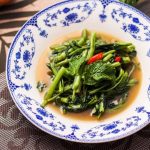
pixel 70 15
pixel 103 15
pixel 42 112
pixel 75 127
pixel 72 135
pixel 139 109
pixel 110 127
pixel 66 10
pixel 57 126
pixel 115 131
pixel 143 110
pixel 106 2
pixel 13 86
pixel 43 33
pixel 134 27
pixel 39 117
pixel 25 55
pixel 136 20
pixel 33 22
pixel 18 55
pixel 26 86
pixel 24 100
pixel 113 128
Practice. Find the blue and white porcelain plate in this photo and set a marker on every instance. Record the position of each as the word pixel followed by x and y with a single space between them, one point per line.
pixel 108 16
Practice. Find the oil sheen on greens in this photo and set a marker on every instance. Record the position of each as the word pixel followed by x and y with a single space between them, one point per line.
pixel 89 73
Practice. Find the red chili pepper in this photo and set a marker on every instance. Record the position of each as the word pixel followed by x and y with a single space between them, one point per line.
pixel 96 57
pixel 117 59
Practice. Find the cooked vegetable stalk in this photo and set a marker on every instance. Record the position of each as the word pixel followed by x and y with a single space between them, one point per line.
pixel 52 99
pixel 109 52
pixel 126 60
pixel 54 70
pixel 105 59
pixel 58 48
pixel 92 47
pixel 116 64
pixel 83 38
pixel 53 86
pixel 77 51
pixel 119 46
pixel 132 82
pixel 97 89
pixel 64 99
pixel 60 57
pixel 76 84
pixel 64 62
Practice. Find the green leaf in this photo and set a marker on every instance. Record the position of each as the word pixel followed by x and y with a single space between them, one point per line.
pixel 98 72
pixel 75 64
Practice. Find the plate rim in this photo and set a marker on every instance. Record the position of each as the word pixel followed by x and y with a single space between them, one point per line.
pixel 34 122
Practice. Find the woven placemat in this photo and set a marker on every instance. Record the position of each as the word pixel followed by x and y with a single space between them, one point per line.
pixel 16 132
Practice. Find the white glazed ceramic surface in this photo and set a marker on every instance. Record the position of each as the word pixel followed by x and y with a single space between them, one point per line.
pixel 106 16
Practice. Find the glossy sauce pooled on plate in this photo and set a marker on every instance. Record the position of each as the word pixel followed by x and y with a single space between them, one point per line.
pixel 42 75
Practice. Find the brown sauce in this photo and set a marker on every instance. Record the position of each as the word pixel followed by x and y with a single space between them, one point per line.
pixel 42 75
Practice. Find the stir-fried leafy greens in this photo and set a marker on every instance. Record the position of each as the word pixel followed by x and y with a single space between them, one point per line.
pixel 89 73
